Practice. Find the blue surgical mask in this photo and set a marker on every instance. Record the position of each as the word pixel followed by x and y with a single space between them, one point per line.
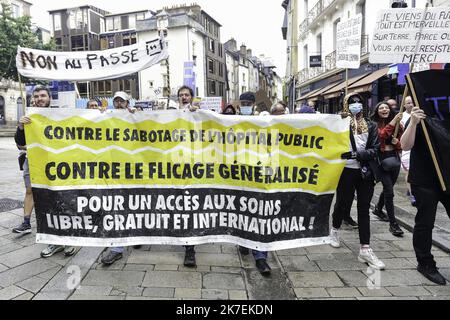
pixel 246 110
pixel 355 108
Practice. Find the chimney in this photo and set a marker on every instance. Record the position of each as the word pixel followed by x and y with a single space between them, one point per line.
pixel 243 50
pixel 249 53
pixel 231 45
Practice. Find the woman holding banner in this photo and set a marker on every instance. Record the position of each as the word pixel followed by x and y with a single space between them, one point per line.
pixel 358 176
pixel 389 162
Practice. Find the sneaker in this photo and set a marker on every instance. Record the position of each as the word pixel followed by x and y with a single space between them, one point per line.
pixel 413 200
pixel 335 241
pixel 351 223
pixel 432 274
pixel 189 258
pixel 367 256
pixel 111 257
pixel 69 251
pixel 380 214
pixel 51 250
pixel 394 228
pixel 263 267
pixel 244 251
pixel 23 228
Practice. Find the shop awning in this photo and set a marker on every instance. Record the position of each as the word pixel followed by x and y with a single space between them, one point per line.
pixel 365 84
pixel 309 94
pixel 336 91
pixel 316 95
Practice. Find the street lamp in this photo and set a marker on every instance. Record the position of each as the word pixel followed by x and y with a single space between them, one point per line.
pixel 162 22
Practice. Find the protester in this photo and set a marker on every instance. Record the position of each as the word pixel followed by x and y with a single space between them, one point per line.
pixel 42 99
pixel 278 109
pixel 426 189
pixel 392 103
pixel 92 104
pixel 389 162
pixel 406 154
pixel 247 102
pixel 121 100
pixel 185 98
pixel 306 109
pixel 229 110
pixel 358 175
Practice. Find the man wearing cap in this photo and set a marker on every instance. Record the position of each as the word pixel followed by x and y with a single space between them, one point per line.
pixel 121 100
pixel 247 105
pixel 42 98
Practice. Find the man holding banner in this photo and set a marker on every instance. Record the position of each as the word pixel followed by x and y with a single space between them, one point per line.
pixel 429 173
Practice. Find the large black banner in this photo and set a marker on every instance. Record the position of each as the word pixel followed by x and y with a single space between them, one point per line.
pixel 432 89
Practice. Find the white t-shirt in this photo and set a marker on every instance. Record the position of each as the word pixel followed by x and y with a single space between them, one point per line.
pixel 405 154
pixel 361 143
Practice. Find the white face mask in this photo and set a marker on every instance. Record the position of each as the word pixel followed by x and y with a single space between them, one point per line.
pixel 355 108
pixel 247 110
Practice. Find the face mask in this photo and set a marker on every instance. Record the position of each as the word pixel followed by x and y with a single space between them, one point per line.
pixel 355 108
pixel 246 111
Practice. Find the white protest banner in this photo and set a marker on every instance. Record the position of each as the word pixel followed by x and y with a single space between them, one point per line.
pixel 412 36
pixel 211 103
pixel 348 43
pixel 89 65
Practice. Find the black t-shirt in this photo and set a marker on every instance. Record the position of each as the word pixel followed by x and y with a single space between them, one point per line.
pixel 421 167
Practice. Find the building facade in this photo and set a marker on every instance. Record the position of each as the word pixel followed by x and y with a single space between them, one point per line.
pixel 10 96
pixel 325 84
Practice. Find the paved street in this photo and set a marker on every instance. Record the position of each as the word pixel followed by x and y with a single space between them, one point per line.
pixel 157 272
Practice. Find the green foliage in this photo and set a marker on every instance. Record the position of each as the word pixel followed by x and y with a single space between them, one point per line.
pixel 16 32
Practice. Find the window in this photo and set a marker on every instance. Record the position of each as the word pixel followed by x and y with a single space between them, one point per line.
pixel 220 69
pixel 111 42
pixel 110 24
pixel 305 56
pixel 221 89
pixel 132 22
pixel 76 19
pixel 220 50
pixel 335 33
pixel 57 22
pixel 212 46
pixel 319 44
pixel 15 11
pixel 77 43
pixel 129 39
pixel 212 87
pixel 211 65
pixel 361 8
pixel 117 23
pixel 58 42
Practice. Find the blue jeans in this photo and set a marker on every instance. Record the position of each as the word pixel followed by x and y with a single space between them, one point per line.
pixel 259 254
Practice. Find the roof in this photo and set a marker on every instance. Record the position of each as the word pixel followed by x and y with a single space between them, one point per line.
pixel 77 7
pixel 204 12
pixel 365 84
pixel 306 96
pixel 316 95
pixel 129 12
pixel 336 91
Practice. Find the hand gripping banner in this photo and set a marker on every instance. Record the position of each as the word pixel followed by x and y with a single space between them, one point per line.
pixel 183 178
pixel 90 65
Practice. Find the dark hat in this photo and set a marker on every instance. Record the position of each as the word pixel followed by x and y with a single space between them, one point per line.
pixel 247 96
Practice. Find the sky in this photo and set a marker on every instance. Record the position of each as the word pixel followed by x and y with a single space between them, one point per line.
pixel 255 23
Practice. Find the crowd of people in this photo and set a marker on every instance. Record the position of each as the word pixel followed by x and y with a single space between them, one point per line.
pixel 379 147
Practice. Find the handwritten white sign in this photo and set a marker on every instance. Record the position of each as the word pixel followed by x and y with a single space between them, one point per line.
pixel 348 43
pixel 412 36
pixel 89 65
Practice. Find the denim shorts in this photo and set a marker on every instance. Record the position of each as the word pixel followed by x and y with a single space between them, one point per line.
pixel 26 174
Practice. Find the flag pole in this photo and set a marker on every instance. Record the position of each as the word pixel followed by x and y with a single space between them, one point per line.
pixel 24 101
pixel 427 137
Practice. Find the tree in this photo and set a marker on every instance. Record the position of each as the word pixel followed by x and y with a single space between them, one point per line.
pixel 15 32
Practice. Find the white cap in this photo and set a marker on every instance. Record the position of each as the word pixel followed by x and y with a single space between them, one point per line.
pixel 121 94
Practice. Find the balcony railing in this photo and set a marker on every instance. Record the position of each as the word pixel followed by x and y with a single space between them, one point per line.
pixel 313 14
pixel 330 63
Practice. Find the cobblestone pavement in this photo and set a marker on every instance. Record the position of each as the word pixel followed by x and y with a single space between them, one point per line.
pixel 157 272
